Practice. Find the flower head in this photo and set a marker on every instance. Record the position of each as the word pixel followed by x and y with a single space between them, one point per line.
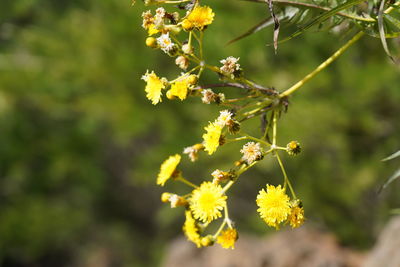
pixel 296 216
pixel 148 19
pixel 212 137
pixel 274 205
pixel 167 169
pixel 228 238
pixel 221 176
pixel 193 151
pixel 159 18
pixel 180 87
pixel 224 118
pixel 207 201
pixel 165 42
pixel 293 148
pixel 160 13
pixel 152 30
pixel 191 229
pixel 182 62
pixel 251 152
pixel 230 65
pixel 199 17
pixel 154 86
pixel 209 96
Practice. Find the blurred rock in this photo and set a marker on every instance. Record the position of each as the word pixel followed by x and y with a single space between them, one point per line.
pixel 303 247
pixel 387 250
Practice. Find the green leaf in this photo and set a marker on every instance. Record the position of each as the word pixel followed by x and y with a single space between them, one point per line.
pixel 394 155
pixel 381 29
pixel 290 13
pixel 395 175
pixel 393 20
pixel 321 18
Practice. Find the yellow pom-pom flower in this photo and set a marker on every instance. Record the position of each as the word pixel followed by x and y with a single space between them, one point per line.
pixel 153 87
pixel 191 229
pixel 211 138
pixel 199 17
pixel 228 238
pixel 207 201
pixel 152 30
pixel 274 205
pixel 180 87
pixel 167 169
pixel 296 216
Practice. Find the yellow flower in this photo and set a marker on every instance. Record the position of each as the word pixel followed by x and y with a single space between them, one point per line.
pixel 152 30
pixel 228 238
pixel 211 138
pixel 274 205
pixel 153 87
pixel 191 229
pixel 179 88
pixel 199 17
pixel 296 216
pixel 168 167
pixel 207 201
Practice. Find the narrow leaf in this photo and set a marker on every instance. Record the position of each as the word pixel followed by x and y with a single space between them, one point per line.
pixel 394 155
pixel 324 16
pixel 393 20
pixel 381 29
pixel 259 26
pixel 391 179
pixel 265 23
pixel 308 6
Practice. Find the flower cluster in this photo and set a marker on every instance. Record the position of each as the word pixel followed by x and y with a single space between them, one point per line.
pixel 180 36
pixel 275 207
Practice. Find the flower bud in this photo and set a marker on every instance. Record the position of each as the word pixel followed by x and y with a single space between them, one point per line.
pixel 233 126
pixel 182 62
pixel 293 148
pixel 173 51
pixel 177 201
pixel 192 79
pixel 221 176
pixel 165 197
pixel 151 42
pixel 187 49
pixel 207 241
pixel 169 95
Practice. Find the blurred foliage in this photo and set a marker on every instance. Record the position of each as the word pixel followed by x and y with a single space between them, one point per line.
pixel 81 146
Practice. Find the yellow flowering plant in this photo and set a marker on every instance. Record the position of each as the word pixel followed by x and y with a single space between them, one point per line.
pixel 204 204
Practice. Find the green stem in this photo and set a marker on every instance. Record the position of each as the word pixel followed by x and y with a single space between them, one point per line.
pixel 201 45
pixel 175 2
pixel 322 66
pixel 183 180
pixel 236 139
pixel 245 169
pixel 256 139
pixel 274 122
pixel 219 229
pixel 287 181
pixel 228 221
pixel 227 186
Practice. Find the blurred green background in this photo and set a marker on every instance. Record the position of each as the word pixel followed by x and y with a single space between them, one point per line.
pixel 81 145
